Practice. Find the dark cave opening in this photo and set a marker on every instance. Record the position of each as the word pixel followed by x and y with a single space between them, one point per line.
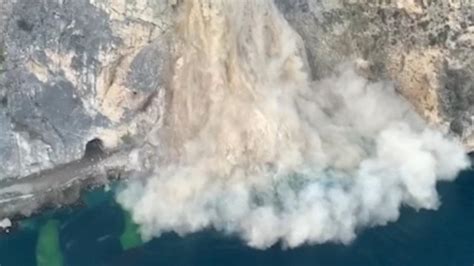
pixel 94 149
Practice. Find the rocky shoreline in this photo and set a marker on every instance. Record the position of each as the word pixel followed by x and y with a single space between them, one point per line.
pixel 60 186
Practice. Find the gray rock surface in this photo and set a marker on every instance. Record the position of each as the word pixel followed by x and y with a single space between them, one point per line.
pixel 72 71
pixel 425 47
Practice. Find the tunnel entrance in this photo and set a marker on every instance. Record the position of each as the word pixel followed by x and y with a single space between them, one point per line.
pixel 94 149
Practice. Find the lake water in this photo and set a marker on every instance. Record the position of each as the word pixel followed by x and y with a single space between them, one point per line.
pixel 102 234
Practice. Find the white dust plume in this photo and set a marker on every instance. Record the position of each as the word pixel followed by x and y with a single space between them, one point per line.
pixel 251 146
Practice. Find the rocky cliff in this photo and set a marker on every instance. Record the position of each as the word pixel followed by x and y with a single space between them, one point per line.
pixel 424 47
pixel 93 73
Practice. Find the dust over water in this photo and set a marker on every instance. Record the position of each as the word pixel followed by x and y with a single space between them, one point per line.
pixel 251 146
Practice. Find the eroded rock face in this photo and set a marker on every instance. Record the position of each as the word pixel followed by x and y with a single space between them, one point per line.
pixel 73 71
pixel 425 47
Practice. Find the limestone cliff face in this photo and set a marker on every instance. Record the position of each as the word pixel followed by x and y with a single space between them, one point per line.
pixel 425 47
pixel 73 71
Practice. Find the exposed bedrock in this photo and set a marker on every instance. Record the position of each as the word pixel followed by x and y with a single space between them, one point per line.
pixel 424 47
pixel 74 71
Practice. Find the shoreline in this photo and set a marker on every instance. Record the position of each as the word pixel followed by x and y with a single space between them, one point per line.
pixel 70 194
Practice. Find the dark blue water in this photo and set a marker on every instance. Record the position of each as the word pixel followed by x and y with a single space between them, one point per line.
pixel 91 236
